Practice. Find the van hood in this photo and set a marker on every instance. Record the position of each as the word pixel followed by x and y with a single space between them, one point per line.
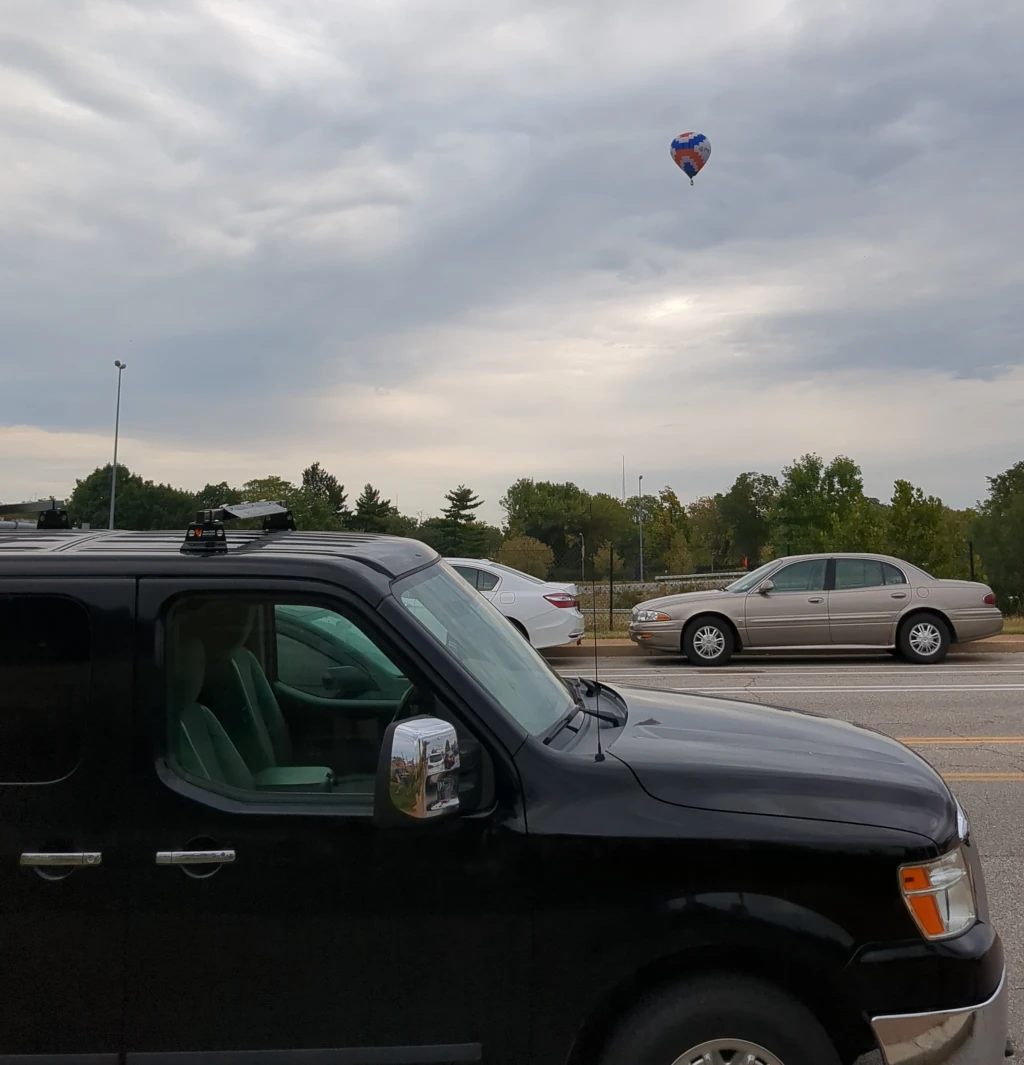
pixel 719 754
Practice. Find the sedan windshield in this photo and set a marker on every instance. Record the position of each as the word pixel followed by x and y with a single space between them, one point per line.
pixel 752 579
pixel 462 621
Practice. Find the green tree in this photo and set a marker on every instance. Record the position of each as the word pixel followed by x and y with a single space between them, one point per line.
pixel 607 561
pixel 372 513
pixel 140 504
pixel 212 496
pixel 999 534
pixel 324 488
pixel 925 532
pixel 527 554
pixel 460 534
pixel 710 539
pixel 555 514
pixel 746 509
pixel 814 502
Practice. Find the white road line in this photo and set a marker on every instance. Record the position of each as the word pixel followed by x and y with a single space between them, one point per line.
pixel 846 689
pixel 929 671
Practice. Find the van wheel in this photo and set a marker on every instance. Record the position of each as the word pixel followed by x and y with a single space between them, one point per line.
pixel 708 642
pixel 924 639
pixel 721 1021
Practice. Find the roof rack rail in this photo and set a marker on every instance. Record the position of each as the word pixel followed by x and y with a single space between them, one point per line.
pixel 206 533
pixel 51 512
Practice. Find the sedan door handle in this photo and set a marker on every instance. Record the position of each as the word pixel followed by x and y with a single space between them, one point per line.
pixel 60 859
pixel 816 599
pixel 899 595
pixel 214 857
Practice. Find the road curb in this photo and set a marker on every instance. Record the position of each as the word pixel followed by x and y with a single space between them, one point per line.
pixel 998 645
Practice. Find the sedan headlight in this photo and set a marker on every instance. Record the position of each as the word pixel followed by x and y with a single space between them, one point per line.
pixel 940 895
pixel 651 615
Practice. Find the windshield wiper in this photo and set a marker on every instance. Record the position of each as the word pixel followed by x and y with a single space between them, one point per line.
pixel 579 707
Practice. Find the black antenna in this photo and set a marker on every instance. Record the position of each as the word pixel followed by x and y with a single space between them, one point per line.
pixel 599 757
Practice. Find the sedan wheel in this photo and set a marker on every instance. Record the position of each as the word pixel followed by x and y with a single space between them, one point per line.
pixel 924 640
pixel 708 642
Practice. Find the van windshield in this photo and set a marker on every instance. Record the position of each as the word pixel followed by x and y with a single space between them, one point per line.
pixel 463 622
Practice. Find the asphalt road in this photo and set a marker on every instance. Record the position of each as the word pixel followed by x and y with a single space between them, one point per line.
pixel 966 717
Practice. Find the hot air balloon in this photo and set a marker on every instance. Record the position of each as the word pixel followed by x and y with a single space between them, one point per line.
pixel 690 152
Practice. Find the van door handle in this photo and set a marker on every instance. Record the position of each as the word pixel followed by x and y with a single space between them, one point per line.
pixel 60 859
pixel 899 595
pixel 214 857
pixel 816 599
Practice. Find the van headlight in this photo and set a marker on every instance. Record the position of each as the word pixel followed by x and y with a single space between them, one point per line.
pixel 940 895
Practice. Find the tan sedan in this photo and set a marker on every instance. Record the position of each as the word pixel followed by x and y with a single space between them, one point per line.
pixel 840 602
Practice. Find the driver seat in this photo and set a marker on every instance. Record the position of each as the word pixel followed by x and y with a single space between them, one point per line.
pixel 237 689
pixel 239 693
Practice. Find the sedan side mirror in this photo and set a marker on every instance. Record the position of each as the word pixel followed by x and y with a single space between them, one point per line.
pixel 765 587
pixel 418 772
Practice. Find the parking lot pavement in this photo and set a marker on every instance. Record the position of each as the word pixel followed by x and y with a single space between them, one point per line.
pixel 966 717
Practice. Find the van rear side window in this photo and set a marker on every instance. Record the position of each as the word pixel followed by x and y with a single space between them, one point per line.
pixel 44 687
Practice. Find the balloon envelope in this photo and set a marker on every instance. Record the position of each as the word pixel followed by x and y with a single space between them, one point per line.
pixel 690 152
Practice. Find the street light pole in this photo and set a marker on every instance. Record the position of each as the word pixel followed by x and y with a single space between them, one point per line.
pixel 121 366
pixel 640 521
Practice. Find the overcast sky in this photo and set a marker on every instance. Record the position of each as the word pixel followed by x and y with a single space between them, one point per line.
pixel 428 242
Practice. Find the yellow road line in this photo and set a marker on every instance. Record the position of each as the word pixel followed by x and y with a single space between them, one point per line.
pixel 990 777
pixel 957 741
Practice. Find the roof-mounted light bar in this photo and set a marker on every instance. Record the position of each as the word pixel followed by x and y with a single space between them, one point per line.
pixel 51 512
pixel 207 534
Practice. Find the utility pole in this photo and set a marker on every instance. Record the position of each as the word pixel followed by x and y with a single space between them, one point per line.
pixel 640 522
pixel 121 366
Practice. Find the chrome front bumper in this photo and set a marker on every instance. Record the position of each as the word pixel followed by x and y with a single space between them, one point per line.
pixel 972 1036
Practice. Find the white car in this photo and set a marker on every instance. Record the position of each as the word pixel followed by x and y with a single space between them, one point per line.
pixel 546 613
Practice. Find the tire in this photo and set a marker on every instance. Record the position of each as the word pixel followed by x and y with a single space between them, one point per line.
pixel 679 1026
pixel 918 635
pixel 521 629
pixel 704 636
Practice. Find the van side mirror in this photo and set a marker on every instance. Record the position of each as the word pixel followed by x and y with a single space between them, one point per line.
pixel 765 587
pixel 418 772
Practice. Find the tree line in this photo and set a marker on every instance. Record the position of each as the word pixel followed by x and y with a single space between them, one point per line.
pixel 562 531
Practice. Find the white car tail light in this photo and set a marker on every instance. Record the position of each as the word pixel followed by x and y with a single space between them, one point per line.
pixel 562 599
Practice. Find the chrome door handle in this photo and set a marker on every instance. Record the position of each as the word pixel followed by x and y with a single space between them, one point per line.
pixel 816 599
pixel 60 859
pixel 898 595
pixel 216 857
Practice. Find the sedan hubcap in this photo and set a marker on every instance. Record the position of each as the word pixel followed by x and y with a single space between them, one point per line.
pixel 727 1052
pixel 709 642
pixel 925 638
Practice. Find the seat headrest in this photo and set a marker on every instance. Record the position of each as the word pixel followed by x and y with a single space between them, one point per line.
pixel 223 624
pixel 188 670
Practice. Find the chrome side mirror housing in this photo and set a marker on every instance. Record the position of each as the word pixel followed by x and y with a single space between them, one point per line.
pixel 418 772
pixel 766 586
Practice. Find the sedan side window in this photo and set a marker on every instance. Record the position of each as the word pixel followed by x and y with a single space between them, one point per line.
pixel 486 582
pixel 469 574
pixel 807 576
pixel 892 575
pixel 858 573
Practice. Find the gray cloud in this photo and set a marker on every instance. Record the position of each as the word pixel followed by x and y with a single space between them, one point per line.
pixel 257 204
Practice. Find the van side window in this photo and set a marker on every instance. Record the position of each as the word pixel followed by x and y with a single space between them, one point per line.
pixel 277 699
pixel 44 687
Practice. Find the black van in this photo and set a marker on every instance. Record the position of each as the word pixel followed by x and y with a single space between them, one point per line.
pixel 229 834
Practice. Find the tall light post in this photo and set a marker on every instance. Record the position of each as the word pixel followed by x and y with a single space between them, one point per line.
pixel 121 367
pixel 640 522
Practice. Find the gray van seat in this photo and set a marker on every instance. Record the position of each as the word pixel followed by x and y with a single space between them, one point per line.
pixel 237 688
pixel 202 747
